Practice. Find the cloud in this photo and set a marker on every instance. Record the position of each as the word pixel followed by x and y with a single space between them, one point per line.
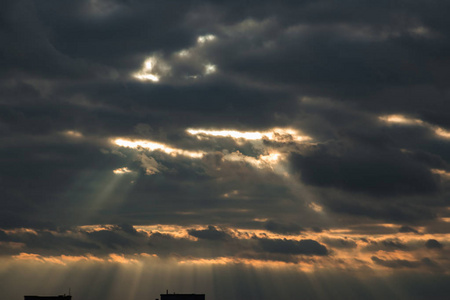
pixel 396 263
pixel 211 233
pixel 382 173
pixel 433 244
pixel 283 246
pixel 257 121
pixel 342 243
pixel 150 165
pixel 282 228
pixel 388 245
pixel 110 239
pixel 407 229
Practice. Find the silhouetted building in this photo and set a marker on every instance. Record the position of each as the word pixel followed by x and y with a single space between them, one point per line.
pixel 174 296
pixel 60 297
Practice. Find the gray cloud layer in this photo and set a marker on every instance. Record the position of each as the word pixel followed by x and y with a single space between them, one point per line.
pixel 365 81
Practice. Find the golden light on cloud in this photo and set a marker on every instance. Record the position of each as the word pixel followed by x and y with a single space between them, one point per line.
pixel 38 258
pixel 20 230
pixel 210 69
pixel 444 174
pixel 151 70
pixel 351 250
pixel 275 134
pixel 231 194
pixel 73 133
pixel 233 260
pixel 184 53
pixel 206 38
pixel 122 171
pixel 148 76
pixel 177 231
pixel 316 207
pixel 442 132
pixel 268 160
pixel 67 259
pixel 120 258
pixel 262 161
pixel 155 146
pixel 145 72
pixel 401 119
pixel 157 67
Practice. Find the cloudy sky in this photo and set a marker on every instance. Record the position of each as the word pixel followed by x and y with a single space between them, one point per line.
pixel 242 149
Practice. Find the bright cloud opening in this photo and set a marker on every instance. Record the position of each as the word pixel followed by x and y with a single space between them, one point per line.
pixel 152 70
pixel 73 133
pixel 263 161
pixel 154 146
pixel 400 119
pixel 442 132
pixel 209 69
pixel 122 171
pixel 275 134
pixel 205 38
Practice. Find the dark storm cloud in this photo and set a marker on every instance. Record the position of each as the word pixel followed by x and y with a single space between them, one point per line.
pixel 425 262
pixel 407 229
pixel 394 244
pixel 48 243
pixel 432 264
pixel 340 243
pixel 109 238
pixel 328 69
pixel 211 233
pixel 214 104
pixel 401 211
pixel 127 228
pixel 211 243
pixel 39 171
pixel 282 228
pixel 378 173
pixel 388 245
pixel 283 246
pixel 78 41
pixel 350 56
pixel 433 244
pixel 396 263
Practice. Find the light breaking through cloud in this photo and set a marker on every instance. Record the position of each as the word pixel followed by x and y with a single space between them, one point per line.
pixel 242 149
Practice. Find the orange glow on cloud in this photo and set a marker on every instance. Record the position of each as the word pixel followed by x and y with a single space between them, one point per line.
pixel 25 256
pixel 233 260
pixel 20 230
pixel 120 258
pixel 348 250
pixel 61 260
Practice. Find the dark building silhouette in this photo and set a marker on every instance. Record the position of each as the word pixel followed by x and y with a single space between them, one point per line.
pixel 60 297
pixel 174 296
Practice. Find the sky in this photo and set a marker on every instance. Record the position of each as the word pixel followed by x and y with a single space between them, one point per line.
pixel 241 149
